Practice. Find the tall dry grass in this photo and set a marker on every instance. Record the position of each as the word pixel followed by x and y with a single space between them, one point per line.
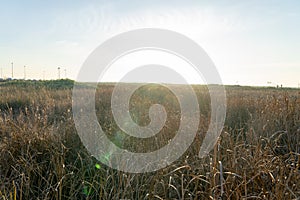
pixel 256 157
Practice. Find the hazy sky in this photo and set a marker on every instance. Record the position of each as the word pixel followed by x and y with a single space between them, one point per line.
pixel 251 42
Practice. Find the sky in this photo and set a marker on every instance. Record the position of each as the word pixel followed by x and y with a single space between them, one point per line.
pixel 251 42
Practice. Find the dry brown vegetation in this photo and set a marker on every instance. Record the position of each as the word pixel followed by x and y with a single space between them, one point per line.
pixel 257 156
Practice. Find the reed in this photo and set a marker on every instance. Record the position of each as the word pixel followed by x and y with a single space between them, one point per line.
pixel 257 156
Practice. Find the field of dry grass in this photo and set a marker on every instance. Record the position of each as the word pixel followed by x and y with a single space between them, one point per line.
pixel 257 156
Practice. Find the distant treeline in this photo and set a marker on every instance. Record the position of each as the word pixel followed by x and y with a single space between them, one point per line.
pixel 50 84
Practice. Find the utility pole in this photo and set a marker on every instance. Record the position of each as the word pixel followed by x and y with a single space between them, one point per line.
pixel 24 72
pixel 43 74
pixel 58 72
pixel 65 73
pixel 12 70
pixel 1 72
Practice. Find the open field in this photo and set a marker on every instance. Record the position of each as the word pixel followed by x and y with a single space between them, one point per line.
pixel 41 155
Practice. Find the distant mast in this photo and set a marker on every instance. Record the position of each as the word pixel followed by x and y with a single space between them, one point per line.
pixel 58 72
pixel 12 70
pixel 24 72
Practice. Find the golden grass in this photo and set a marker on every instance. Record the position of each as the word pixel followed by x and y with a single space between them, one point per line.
pixel 257 156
